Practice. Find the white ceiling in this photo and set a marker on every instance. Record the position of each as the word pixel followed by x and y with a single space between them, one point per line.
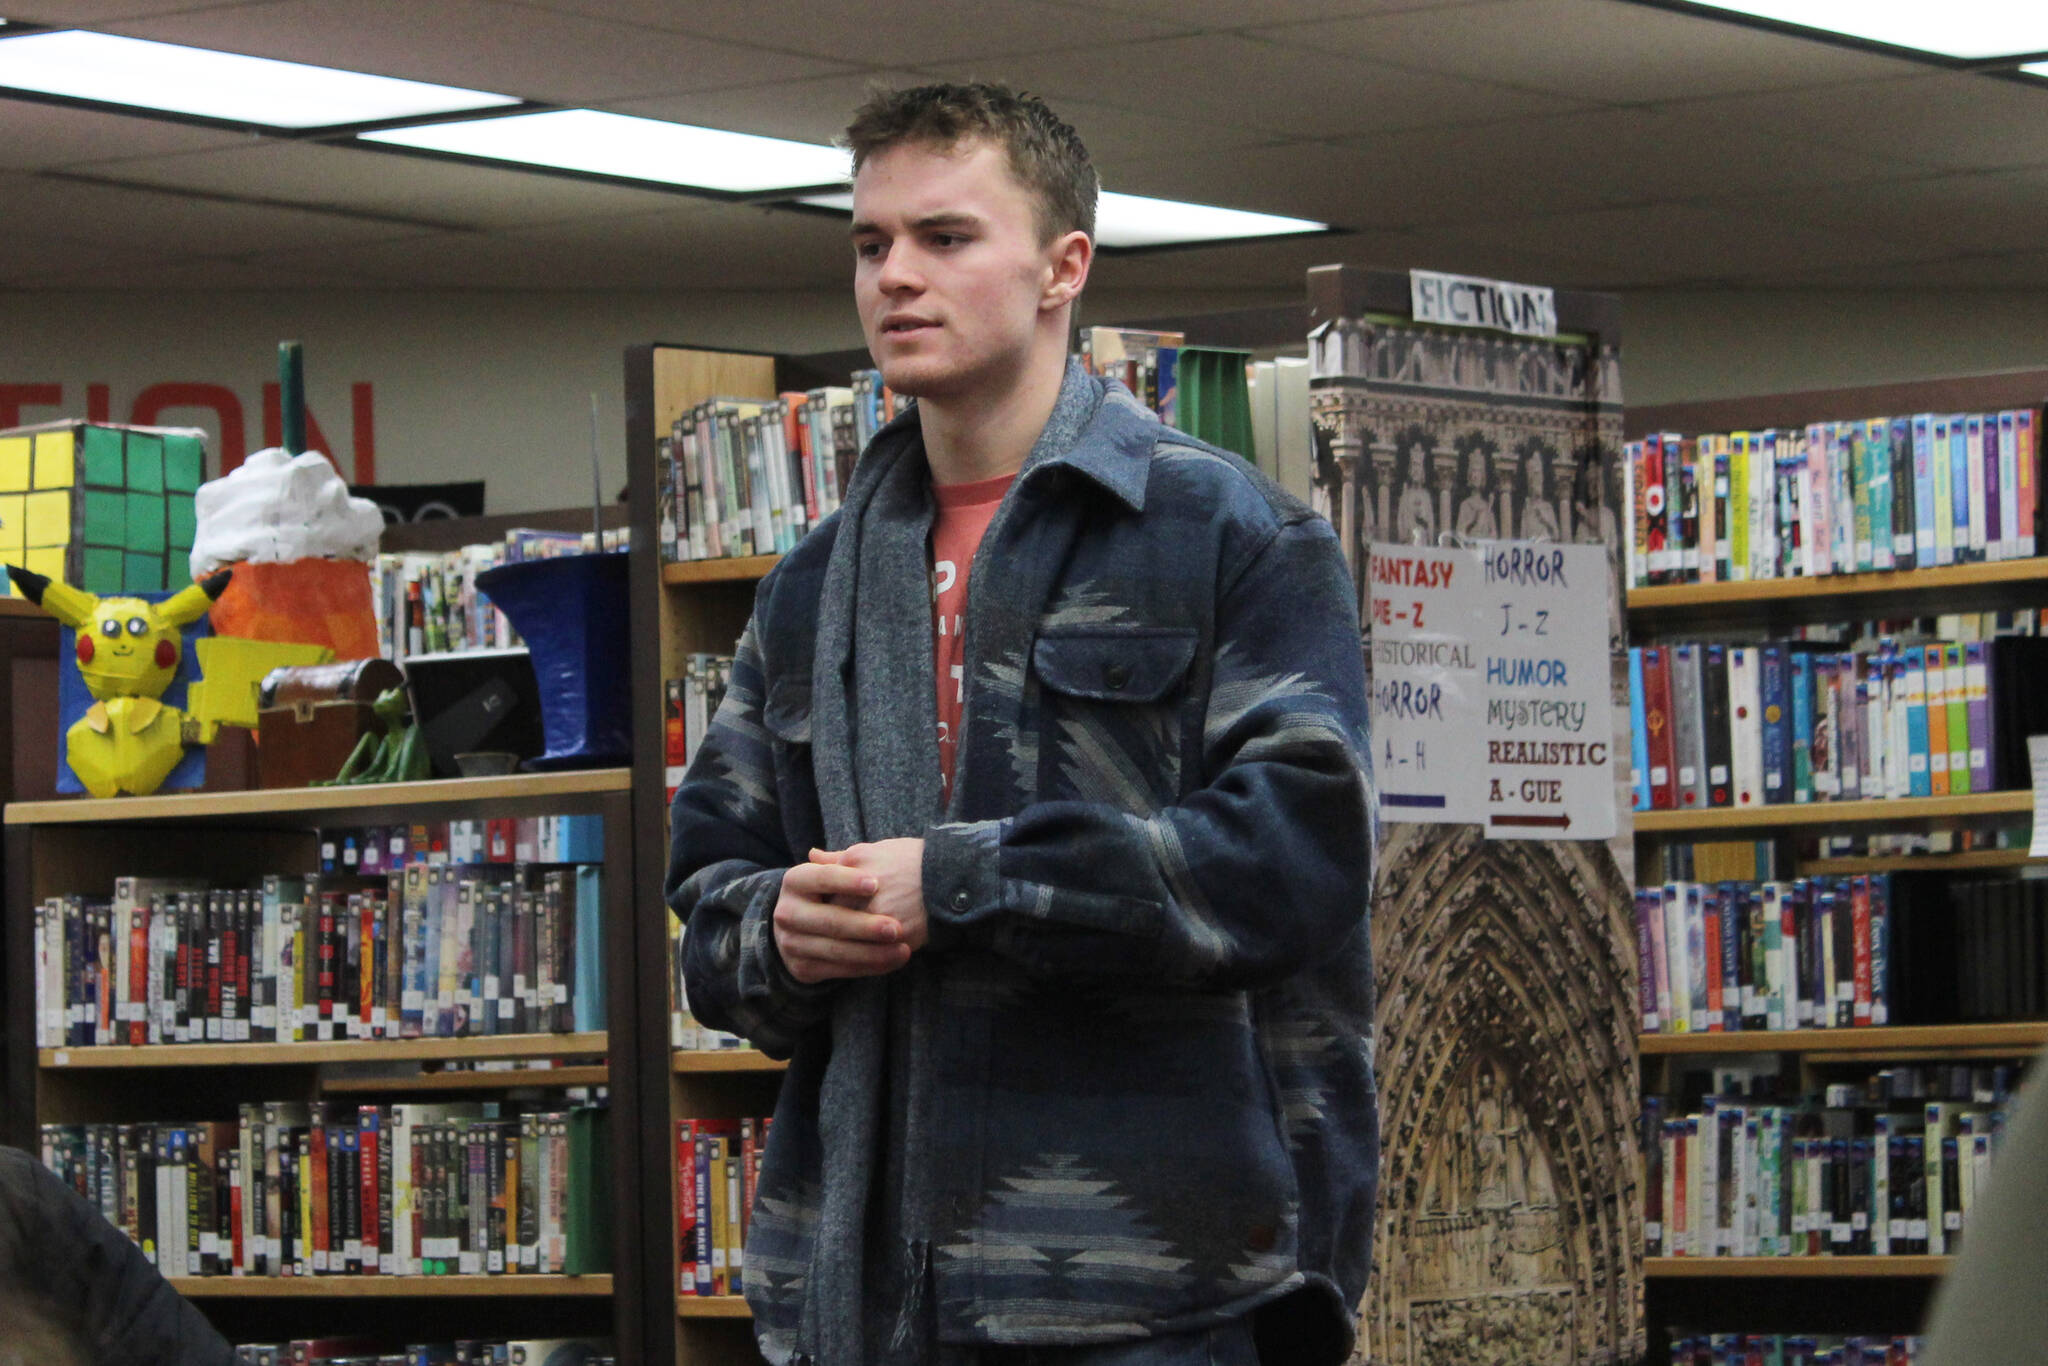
pixel 1577 142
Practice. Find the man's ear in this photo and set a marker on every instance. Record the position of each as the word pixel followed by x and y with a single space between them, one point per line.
pixel 1071 257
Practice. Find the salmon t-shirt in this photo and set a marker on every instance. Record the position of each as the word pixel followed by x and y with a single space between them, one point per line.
pixel 965 511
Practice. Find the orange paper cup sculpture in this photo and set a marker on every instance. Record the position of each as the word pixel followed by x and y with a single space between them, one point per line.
pixel 299 546
pixel 309 602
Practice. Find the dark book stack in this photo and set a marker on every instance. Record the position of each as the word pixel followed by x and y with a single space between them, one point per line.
pixel 292 1189
pixel 1979 948
pixel 1793 1349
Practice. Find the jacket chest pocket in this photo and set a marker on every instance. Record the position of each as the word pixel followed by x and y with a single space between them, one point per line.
pixel 787 719
pixel 1111 707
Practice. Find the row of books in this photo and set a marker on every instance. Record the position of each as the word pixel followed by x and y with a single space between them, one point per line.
pixel 1782 1349
pixel 1812 953
pixel 430 952
pixel 375 850
pixel 1717 725
pixel 685 1033
pixel 688 704
pixel 296 1189
pixel 1833 498
pixel 749 476
pixel 373 1351
pixel 718 1162
pixel 1737 1178
pixel 427 602
pixel 1146 363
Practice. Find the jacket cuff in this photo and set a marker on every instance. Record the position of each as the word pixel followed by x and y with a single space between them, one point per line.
pixel 962 877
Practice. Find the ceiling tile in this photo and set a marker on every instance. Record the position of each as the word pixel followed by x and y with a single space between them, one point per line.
pixel 1989 272
pixel 1975 211
pixel 36 136
pixel 721 247
pixel 1592 49
pixel 1610 157
pixel 1676 243
pixel 1245 83
pixel 432 191
pixel 170 224
pixel 812 110
pixel 481 45
pixel 1951 120
pixel 1235 14
pixel 65 13
pixel 888 32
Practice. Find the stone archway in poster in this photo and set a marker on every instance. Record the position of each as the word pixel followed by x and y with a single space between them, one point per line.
pixel 1508 1228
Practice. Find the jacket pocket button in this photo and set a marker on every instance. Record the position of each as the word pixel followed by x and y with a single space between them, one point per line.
pixel 961 900
pixel 1116 676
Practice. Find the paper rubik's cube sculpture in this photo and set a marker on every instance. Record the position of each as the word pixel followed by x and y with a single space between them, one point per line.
pixel 107 509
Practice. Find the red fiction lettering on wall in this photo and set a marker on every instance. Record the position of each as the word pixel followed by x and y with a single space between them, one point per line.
pixel 157 399
pixel 151 403
pixel 15 397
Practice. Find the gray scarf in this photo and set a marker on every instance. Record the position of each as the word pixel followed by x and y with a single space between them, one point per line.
pixel 875 753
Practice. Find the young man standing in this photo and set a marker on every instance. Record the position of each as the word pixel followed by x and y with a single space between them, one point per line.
pixel 1035 830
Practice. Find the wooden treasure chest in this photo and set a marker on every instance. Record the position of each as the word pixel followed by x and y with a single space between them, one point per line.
pixel 311 717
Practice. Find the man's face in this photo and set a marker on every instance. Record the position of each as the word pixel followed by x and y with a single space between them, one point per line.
pixel 949 275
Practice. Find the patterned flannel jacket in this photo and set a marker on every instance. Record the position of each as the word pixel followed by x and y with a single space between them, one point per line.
pixel 1152 1104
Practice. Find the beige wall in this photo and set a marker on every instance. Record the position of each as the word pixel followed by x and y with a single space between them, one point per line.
pixel 1717 345
pixel 494 385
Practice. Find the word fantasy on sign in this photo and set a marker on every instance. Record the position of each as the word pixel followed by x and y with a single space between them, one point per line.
pixel 1490 688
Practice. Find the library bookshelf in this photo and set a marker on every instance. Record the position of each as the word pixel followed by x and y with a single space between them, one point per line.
pixel 1865 1293
pixel 681 609
pixel 232 839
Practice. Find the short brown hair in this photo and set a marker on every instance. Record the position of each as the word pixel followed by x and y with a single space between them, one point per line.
pixel 1045 153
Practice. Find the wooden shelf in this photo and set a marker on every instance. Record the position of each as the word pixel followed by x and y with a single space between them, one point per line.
pixel 299 1054
pixel 11 606
pixel 736 569
pixel 1877 1041
pixel 1887 593
pixel 1915 863
pixel 712 1307
pixel 2019 802
pixel 724 1060
pixel 356 803
pixel 434 1082
pixel 1791 1268
pixel 378 1287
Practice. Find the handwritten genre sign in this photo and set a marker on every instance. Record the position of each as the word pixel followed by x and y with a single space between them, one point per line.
pixel 1490 688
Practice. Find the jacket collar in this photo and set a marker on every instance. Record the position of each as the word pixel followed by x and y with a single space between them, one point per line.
pixel 1097 428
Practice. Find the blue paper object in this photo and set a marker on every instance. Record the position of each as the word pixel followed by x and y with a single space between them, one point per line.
pixel 572 612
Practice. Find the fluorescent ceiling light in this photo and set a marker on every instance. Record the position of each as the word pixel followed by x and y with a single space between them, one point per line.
pixel 629 148
pixel 219 85
pixel 1969 29
pixel 1129 220
pixel 2036 68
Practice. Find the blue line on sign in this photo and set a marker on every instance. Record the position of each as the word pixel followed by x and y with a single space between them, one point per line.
pixel 1409 799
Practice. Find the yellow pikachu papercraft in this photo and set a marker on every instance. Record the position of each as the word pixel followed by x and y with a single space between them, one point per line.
pixel 128 652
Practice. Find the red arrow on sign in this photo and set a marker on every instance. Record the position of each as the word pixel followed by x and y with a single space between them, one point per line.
pixel 1563 822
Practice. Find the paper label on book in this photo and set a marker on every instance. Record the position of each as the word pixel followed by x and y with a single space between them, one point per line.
pixel 470 1264
pixel 505 1007
pixel 2037 760
pixel 387 1263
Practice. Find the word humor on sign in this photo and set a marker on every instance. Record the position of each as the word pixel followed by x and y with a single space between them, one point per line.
pixel 1490 688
